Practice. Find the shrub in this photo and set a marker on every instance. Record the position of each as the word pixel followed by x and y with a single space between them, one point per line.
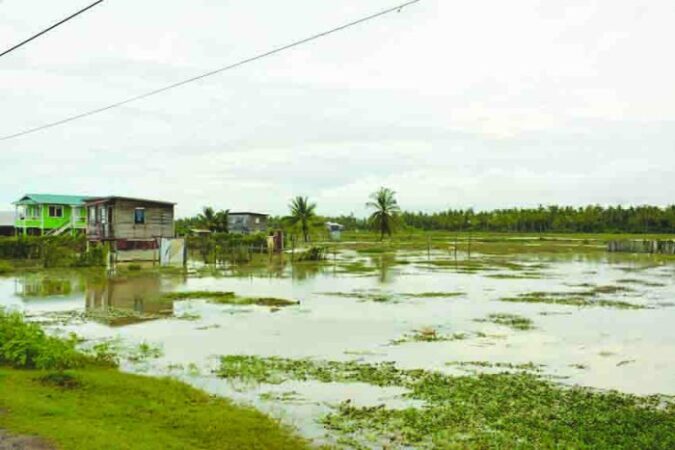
pixel 313 254
pixel 5 267
pixel 24 345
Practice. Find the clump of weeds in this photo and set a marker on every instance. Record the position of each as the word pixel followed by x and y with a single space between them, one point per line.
pixel 513 321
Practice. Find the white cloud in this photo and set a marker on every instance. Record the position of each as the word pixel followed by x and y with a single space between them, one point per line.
pixel 483 104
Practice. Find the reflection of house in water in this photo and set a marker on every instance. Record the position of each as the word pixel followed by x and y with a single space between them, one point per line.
pixel 123 301
pixel 41 286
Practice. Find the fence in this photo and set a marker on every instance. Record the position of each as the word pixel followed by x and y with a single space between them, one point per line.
pixel 643 246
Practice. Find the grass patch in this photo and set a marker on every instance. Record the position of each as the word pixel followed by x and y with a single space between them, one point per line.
pixel 506 410
pixel 274 370
pixel 497 365
pixel 370 296
pixel 434 294
pixel 229 298
pixel 96 414
pixel 428 334
pixel 49 389
pixel 581 299
pixel 510 320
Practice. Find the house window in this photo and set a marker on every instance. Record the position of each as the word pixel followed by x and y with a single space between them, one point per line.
pixel 257 220
pixel 92 214
pixel 55 211
pixel 102 217
pixel 139 216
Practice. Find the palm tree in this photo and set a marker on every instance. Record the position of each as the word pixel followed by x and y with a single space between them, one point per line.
pixel 302 215
pixel 385 216
pixel 213 221
pixel 207 218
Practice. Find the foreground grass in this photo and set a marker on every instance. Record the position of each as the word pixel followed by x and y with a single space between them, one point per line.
pixel 102 409
pixel 505 410
pixel 77 400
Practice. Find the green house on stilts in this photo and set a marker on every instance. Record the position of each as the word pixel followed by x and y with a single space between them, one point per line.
pixel 50 214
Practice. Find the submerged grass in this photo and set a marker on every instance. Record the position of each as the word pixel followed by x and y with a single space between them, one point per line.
pixel 428 334
pixel 583 298
pixel 505 410
pixel 510 320
pixel 229 298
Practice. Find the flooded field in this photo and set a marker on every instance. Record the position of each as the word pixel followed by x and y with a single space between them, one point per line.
pixel 353 330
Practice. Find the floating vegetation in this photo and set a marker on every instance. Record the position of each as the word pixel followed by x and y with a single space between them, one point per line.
pixel 123 316
pixel 510 320
pixel 372 296
pixel 433 294
pixel 640 282
pixel 498 365
pixel 229 298
pixel 504 410
pixel 428 334
pixel 571 299
pixel 284 397
pixel 356 267
pixel 579 366
pixel 145 351
pixel 275 370
pixel 383 296
pixel 188 316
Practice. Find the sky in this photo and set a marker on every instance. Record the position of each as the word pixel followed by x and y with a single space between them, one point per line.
pixel 483 104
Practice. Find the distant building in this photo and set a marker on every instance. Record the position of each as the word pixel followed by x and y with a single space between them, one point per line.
pixel 7 227
pixel 335 230
pixel 246 222
pixel 50 214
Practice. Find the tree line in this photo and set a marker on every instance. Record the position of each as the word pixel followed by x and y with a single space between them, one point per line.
pixel 386 217
pixel 552 219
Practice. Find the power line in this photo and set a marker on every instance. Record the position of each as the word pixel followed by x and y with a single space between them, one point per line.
pixel 50 28
pixel 209 74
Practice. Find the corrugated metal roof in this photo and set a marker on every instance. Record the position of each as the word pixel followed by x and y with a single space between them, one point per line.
pixel 52 199
pixel 116 197
pixel 246 213
pixel 6 218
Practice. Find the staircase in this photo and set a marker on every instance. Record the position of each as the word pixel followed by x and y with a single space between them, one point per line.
pixel 60 230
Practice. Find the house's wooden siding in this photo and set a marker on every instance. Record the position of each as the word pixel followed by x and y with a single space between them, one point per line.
pixel 158 220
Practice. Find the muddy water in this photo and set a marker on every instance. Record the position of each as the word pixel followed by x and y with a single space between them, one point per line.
pixel 632 350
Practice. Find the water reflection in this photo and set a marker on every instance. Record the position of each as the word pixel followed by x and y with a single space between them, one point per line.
pixel 122 301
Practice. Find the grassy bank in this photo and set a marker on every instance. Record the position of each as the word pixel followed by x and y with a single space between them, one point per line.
pixel 81 401
pixel 99 408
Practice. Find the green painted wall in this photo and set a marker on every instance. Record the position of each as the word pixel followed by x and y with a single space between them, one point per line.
pixel 46 222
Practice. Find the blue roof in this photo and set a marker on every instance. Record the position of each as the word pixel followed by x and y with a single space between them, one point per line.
pixel 52 199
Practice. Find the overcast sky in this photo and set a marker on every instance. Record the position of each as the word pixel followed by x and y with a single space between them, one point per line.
pixel 452 104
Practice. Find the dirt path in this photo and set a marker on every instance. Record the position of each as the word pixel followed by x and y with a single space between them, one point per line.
pixel 14 442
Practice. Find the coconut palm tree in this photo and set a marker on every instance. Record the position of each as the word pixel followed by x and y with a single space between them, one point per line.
pixel 302 215
pixel 212 220
pixel 385 217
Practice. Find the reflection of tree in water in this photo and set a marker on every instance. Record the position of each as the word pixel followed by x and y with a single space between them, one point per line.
pixel 46 285
pixel 384 264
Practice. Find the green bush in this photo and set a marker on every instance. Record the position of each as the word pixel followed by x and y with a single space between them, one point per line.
pixel 313 254
pixel 24 345
pixel 5 267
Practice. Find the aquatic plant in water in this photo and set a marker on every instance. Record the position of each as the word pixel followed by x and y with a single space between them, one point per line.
pixel 503 410
pixel 510 320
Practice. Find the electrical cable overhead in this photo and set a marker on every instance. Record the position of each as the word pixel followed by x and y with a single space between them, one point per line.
pixel 72 16
pixel 210 73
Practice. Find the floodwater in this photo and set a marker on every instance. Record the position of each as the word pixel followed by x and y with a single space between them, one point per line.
pixel 354 308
